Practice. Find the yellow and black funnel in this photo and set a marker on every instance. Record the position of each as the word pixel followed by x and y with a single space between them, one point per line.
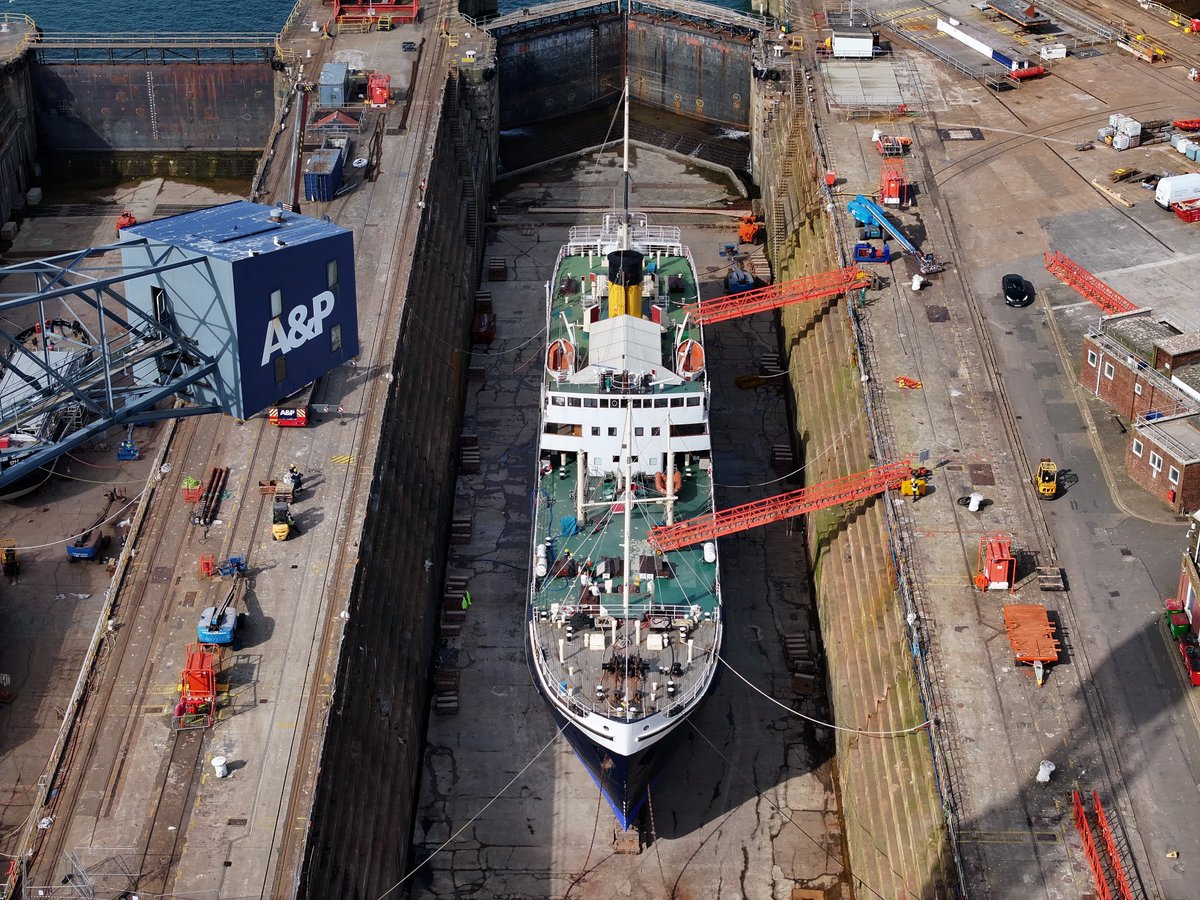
pixel 625 283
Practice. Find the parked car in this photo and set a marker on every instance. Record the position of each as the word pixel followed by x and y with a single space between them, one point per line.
pixel 1016 290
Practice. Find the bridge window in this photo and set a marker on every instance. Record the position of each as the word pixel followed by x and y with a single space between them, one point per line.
pixel 331 273
pixel 276 304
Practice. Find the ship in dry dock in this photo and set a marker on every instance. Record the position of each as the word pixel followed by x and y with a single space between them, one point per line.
pixel 623 639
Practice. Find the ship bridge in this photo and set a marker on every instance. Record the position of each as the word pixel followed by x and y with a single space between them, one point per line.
pixel 219 310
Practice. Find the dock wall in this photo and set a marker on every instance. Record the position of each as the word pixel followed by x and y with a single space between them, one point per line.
pixel 894 828
pixel 18 140
pixel 568 61
pixel 179 119
pixel 365 797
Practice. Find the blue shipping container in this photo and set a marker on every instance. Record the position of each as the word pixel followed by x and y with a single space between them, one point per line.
pixel 322 174
pixel 331 87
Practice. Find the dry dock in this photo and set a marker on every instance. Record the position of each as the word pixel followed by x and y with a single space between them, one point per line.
pixel 350 640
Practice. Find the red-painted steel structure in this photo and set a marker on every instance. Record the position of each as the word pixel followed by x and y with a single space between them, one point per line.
pixel 1088 285
pixel 774 509
pixel 396 12
pixel 1103 892
pixel 1124 891
pixel 810 287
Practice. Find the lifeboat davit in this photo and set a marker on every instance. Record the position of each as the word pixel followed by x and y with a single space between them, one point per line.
pixel 660 481
pixel 689 359
pixel 560 359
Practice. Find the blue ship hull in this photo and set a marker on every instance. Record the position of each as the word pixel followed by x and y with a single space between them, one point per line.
pixel 624 781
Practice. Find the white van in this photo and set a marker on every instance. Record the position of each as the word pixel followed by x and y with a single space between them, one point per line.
pixel 1177 189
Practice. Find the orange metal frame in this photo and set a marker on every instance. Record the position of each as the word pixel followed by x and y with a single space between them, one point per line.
pixel 1001 544
pixel 1031 634
pixel 198 688
pixel 774 509
pixel 810 287
pixel 1088 285
pixel 1110 845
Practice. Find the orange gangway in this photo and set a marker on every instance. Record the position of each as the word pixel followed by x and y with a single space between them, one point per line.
pixel 810 287
pixel 1088 285
pixel 774 509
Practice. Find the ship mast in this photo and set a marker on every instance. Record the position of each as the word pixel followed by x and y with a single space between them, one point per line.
pixel 625 173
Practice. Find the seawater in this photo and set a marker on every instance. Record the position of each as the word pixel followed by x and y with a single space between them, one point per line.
pixel 221 16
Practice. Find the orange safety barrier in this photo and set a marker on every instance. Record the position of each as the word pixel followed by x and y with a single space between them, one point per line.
pixel 192 495
pixel 810 287
pixel 774 509
pixel 208 565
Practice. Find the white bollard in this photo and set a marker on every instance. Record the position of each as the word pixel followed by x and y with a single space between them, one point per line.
pixel 1044 770
pixel 220 769
pixel 918 282
pixel 975 502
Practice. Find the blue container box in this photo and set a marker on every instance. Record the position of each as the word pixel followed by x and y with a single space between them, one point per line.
pixel 322 174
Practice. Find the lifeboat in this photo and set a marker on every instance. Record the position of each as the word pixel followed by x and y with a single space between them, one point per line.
pixel 560 359
pixel 660 481
pixel 689 360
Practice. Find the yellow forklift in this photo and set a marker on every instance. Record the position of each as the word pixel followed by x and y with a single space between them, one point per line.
pixel 1045 479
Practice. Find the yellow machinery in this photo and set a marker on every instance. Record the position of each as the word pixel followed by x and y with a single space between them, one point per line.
pixel 914 485
pixel 1045 479
pixel 8 558
pixel 282 522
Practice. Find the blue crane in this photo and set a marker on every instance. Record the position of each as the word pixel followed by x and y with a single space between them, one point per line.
pixel 868 212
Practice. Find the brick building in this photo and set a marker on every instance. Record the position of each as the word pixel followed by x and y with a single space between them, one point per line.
pixel 1147 372
pixel 1163 456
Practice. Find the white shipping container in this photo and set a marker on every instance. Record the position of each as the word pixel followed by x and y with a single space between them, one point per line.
pixel 1114 119
pixel 1130 127
pixel 1120 141
pixel 1053 51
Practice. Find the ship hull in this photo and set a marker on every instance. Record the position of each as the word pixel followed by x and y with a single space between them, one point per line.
pixel 624 781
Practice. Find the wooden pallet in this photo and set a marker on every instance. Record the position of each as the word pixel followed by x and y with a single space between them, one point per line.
pixel 1050 578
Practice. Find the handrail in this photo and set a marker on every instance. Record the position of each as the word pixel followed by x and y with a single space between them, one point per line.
pixel 20 48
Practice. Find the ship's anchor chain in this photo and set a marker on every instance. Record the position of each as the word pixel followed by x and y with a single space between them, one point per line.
pixel 650 809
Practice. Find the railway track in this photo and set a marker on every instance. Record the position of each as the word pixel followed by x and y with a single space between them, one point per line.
pixel 96 762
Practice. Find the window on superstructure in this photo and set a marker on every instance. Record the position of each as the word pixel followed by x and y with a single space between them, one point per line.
pixel 276 304
pixel 590 402
pixel 655 431
pixel 660 402
pixel 335 338
pixel 676 401
pixel 693 401
pixel 612 432
pixel 574 401
pixel 638 431
pixel 280 369
pixel 595 431
pixel 331 273
pixel 558 401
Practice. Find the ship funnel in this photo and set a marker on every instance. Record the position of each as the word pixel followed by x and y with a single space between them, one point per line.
pixel 625 283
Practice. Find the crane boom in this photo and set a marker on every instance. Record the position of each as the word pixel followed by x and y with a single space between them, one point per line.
pixel 810 287
pixel 785 506
pixel 871 213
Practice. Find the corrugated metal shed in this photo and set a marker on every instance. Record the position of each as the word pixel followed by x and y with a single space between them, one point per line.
pixel 232 230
